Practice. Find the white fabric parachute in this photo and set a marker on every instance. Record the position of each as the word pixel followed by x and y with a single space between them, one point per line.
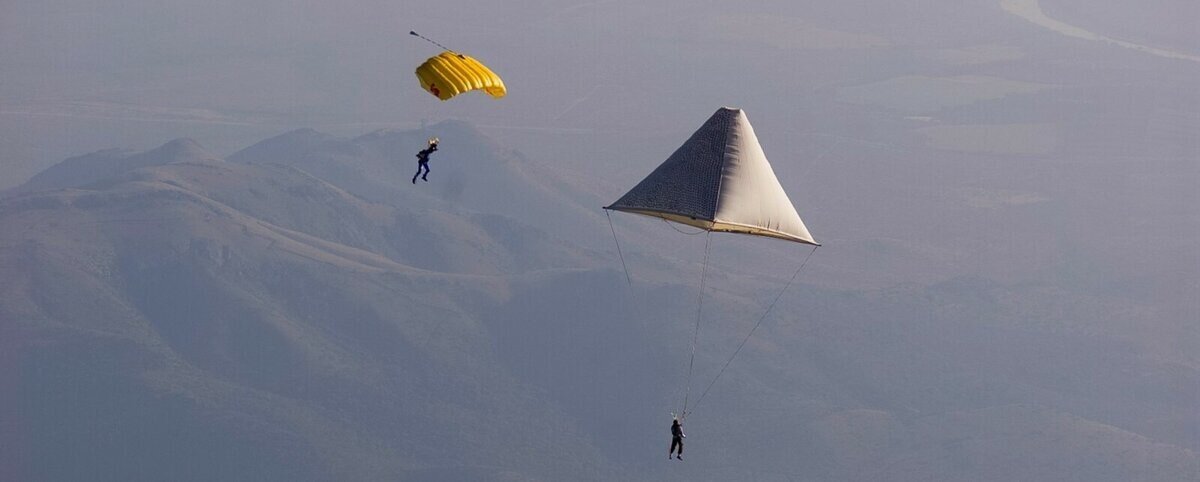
pixel 719 180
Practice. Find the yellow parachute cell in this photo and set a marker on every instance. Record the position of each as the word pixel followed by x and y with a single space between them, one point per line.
pixel 449 74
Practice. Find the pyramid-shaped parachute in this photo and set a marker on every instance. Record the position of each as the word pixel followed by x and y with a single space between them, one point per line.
pixel 719 180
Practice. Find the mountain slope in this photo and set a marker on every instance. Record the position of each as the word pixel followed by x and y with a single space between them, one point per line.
pixel 270 320
pixel 97 166
pixel 147 299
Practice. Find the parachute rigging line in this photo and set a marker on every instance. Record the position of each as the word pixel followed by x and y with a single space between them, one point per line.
pixel 752 330
pixel 699 312
pixel 672 225
pixel 618 243
pixel 422 37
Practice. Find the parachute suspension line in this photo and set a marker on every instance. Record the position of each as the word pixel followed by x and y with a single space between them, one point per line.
pixel 680 231
pixel 752 330
pixel 422 37
pixel 618 243
pixel 696 333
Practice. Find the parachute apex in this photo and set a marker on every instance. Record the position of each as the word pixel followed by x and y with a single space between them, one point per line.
pixel 719 180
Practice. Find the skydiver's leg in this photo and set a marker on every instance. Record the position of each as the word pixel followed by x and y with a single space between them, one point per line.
pixel 674 442
pixel 426 166
pixel 417 174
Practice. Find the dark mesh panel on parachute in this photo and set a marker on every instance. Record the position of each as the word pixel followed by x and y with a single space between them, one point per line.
pixel 687 183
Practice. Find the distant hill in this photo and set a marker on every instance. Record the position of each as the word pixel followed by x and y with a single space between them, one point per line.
pixel 97 166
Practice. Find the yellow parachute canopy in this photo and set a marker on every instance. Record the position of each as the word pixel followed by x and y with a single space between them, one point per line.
pixel 449 74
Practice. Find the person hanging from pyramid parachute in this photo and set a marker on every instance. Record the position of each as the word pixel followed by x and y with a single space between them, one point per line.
pixel 719 180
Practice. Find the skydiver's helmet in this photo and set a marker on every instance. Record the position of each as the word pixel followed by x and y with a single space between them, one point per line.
pixel 433 141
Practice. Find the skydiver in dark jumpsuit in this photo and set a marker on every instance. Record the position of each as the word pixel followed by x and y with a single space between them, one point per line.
pixel 677 437
pixel 423 160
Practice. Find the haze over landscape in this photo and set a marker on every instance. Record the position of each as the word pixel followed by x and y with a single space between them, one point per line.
pixel 213 265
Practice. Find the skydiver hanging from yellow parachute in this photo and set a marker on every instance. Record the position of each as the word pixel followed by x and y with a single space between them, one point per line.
pixel 423 160
pixel 446 75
